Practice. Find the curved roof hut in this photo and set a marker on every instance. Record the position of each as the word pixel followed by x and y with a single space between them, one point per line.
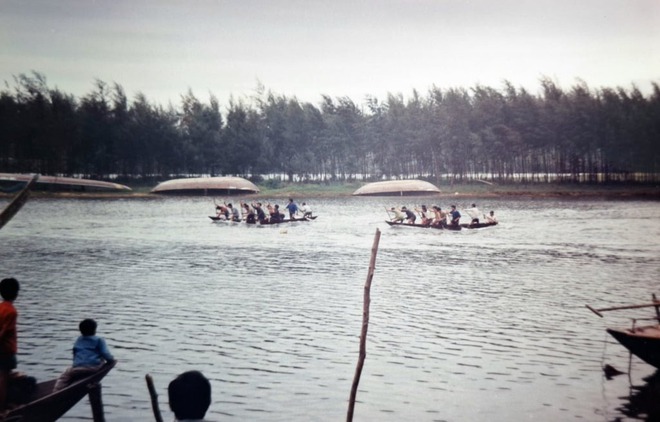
pixel 398 188
pixel 206 185
pixel 14 181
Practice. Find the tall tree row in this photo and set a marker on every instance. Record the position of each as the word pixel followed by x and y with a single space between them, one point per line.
pixel 446 135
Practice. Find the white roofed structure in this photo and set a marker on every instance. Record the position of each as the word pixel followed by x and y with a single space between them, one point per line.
pixel 397 188
pixel 206 185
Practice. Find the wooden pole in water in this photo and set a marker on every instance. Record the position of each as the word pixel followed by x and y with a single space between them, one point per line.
pixel 96 401
pixel 154 398
pixel 365 327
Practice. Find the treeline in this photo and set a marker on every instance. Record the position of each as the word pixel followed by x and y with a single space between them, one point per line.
pixel 500 135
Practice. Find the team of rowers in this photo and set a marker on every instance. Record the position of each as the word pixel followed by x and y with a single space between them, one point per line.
pixel 436 217
pixel 252 213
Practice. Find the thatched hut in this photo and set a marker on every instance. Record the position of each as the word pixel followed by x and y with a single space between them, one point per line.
pixel 397 188
pixel 206 186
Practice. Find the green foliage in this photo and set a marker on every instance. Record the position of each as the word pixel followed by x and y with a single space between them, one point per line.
pixel 449 135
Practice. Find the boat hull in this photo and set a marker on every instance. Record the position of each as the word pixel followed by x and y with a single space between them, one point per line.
pixel 263 223
pixel 424 226
pixel 478 225
pixel 643 342
pixel 47 406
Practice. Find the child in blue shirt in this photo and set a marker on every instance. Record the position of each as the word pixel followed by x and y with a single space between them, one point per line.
pixel 90 352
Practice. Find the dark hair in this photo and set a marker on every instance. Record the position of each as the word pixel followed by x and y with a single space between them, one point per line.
pixel 9 288
pixel 189 395
pixel 87 327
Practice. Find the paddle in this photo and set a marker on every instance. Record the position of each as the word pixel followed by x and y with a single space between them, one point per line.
pixel 617 308
pixel 17 203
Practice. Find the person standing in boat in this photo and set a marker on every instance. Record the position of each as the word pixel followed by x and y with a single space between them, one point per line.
pixel 455 216
pixel 490 218
pixel 410 216
pixel 473 213
pixel 293 209
pixel 90 352
pixel 9 288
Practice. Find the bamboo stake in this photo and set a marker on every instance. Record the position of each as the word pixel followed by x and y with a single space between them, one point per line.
pixel 96 402
pixel 617 308
pixel 365 327
pixel 154 398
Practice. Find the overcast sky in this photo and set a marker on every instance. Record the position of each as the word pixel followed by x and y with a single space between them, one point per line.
pixel 306 48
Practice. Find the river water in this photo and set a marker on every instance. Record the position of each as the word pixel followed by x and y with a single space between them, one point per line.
pixel 474 325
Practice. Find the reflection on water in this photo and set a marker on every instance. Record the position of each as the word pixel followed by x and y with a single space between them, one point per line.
pixel 643 402
pixel 474 325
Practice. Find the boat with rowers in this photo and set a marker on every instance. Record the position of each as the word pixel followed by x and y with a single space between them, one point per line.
pixel 263 222
pixel 641 341
pixel 443 226
pixel 426 226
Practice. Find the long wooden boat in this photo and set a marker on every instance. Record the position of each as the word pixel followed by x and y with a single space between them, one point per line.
pixel 47 406
pixel 424 226
pixel 264 223
pixel 642 341
pixel 478 225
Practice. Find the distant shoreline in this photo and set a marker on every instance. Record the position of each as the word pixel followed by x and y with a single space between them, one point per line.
pixel 299 191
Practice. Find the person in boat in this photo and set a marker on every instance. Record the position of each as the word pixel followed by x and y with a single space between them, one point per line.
pixel 275 215
pixel 399 216
pixel 222 212
pixel 490 218
pixel 248 212
pixel 439 217
pixel 410 216
pixel 473 213
pixel 306 210
pixel 424 214
pixel 455 216
pixel 234 213
pixel 293 208
pixel 261 215
pixel 90 353
pixel 189 395
pixel 9 288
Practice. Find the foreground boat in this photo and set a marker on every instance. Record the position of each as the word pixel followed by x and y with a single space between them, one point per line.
pixel 642 341
pixel 47 406
pixel 425 226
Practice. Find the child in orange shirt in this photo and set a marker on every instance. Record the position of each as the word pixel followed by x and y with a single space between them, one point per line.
pixel 9 288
